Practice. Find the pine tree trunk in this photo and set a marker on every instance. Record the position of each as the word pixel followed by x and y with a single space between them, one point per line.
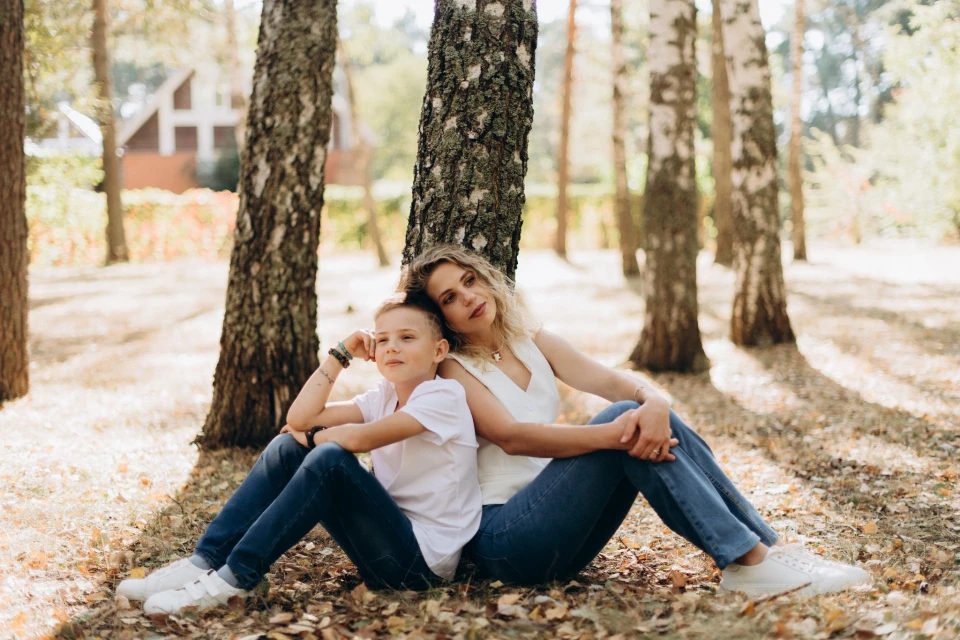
pixel 795 176
pixel 363 156
pixel 474 126
pixel 671 333
pixel 238 99
pixel 116 239
pixel 720 133
pixel 625 223
pixel 760 299
pixel 14 355
pixel 563 178
pixel 268 347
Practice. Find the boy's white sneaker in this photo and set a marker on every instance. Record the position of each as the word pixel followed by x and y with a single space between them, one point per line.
pixel 790 568
pixel 171 576
pixel 207 591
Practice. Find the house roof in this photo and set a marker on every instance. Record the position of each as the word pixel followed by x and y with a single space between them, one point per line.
pixel 84 124
pixel 169 85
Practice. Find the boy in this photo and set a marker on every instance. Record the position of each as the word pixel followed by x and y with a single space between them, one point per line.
pixel 403 528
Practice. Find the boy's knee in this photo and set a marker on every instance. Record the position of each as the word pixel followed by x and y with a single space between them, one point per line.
pixel 282 447
pixel 327 456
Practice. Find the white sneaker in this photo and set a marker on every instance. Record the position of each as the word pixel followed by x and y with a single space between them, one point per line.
pixel 208 590
pixel 171 576
pixel 790 568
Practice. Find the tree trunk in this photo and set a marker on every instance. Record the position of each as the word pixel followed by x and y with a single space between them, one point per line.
pixel 563 179
pixel 116 239
pixel 760 299
pixel 795 177
pixel 14 355
pixel 671 334
pixel 720 133
pixel 268 347
pixel 238 99
pixel 363 155
pixel 474 126
pixel 625 223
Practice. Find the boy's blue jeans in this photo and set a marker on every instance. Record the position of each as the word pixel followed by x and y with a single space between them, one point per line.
pixel 557 524
pixel 290 490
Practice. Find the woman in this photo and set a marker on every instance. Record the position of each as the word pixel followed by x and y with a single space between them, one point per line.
pixel 554 494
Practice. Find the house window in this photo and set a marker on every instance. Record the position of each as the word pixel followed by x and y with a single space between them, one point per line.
pixel 147 137
pixel 186 138
pixel 224 138
pixel 182 100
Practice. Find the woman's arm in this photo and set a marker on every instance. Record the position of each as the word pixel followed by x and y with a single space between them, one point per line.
pixel 493 422
pixel 311 409
pixel 585 374
pixel 652 419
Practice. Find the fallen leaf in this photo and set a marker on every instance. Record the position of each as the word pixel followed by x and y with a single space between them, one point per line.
pixel 138 573
pixel 509 598
pixel 122 603
pixel 558 612
pixel 870 528
pixel 281 618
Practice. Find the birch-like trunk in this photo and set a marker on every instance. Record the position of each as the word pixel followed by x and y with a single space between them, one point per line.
pixel 760 299
pixel 474 126
pixel 720 134
pixel 671 333
pixel 363 157
pixel 625 223
pixel 268 347
pixel 566 97
pixel 238 98
pixel 794 169
pixel 14 353
pixel 116 238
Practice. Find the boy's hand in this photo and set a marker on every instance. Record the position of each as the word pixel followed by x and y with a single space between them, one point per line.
pixel 361 344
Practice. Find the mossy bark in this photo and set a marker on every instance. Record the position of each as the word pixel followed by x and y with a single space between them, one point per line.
pixel 760 300
pixel 474 126
pixel 269 344
pixel 671 333
pixel 14 354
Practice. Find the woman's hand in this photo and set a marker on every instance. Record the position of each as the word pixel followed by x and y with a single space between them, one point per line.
pixel 299 436
pixel 652 420
pixel 361 344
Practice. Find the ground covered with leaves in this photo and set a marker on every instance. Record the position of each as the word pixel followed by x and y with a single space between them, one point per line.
pixel 846 441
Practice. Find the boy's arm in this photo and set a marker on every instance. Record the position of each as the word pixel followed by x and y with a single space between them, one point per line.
pixel 311 409
pixel 360 438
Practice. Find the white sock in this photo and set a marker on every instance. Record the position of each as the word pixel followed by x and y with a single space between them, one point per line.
pixel 200 563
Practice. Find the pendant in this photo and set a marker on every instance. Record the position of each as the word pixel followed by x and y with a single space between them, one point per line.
pixel 496 356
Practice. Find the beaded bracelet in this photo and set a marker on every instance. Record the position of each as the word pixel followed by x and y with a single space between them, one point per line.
pixel 340 357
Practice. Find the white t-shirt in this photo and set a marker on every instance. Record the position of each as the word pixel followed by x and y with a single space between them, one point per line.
pixel 433 475
pixel 503 475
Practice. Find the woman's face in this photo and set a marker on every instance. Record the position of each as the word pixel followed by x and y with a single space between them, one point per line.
pixel 467 305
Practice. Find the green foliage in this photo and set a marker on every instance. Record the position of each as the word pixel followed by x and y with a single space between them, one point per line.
pixel 223 174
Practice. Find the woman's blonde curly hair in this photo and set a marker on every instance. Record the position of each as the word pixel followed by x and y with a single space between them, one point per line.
pixel 511 324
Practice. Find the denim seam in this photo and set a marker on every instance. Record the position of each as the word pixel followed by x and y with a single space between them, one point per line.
pixel 743 511
pixel 684 507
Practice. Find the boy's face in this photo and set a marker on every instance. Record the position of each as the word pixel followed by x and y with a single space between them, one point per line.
pixel 407 347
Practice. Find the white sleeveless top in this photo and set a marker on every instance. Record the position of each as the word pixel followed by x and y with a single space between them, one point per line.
pixel 502 475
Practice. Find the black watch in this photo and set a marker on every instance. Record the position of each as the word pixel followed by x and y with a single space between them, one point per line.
pixel 311 444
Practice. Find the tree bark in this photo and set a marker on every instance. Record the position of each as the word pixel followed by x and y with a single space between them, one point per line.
pixel 268 347
pixel 474 127
pixel 116 238
pixel 363 156
pixel 625 223
pixel 238 98
pixel 760 300
pixel 671 333
pixel 563 178
pixel 794 171
pixel 720 133
pixel 14 353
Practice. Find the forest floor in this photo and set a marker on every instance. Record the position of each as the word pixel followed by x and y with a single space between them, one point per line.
pixel 847 441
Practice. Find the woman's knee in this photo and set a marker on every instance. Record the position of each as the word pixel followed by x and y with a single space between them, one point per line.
pixel 614 411
pixel 684 433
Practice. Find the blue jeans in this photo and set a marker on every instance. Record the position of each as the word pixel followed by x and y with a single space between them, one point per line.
pixel 554 527
pixel 291 489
